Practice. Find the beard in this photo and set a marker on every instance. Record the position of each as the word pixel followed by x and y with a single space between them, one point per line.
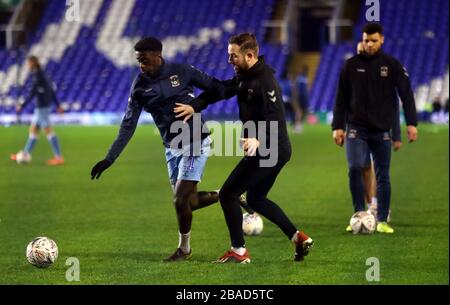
pixel 241 67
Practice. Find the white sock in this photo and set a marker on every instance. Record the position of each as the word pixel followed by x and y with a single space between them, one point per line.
pixel 183 242
pixel 374 200
pixel 50 136
pixel 295 237
pixel 240 250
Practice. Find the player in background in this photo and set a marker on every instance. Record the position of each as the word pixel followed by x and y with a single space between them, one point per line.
pixel 259 99
pixel 290 98
pixel 300 97
pixel 155 90
pixel 367 110
pixel 368 171
pixel 43 89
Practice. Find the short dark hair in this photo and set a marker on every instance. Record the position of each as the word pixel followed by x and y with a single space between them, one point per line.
pixel 372 28
pixel 35 60
pixel 246 41
pixel 148 44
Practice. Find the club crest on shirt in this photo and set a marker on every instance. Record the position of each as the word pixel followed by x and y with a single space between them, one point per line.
pixel 249 94
pixel 174 81
pixel 384 71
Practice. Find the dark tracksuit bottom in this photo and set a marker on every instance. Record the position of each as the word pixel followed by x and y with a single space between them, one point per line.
pixel 257 181
pixel 359 143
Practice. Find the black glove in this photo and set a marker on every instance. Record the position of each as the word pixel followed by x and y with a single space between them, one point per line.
pixel 98 169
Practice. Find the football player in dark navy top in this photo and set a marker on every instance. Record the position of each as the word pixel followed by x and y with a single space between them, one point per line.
pixel 260 101
pixel 156 90
pixel 368 171
pixel 365 106
pixel 43 92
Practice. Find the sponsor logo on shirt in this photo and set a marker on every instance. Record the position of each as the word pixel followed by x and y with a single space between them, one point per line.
pixel 361 70
pixel 272 96
pixel 405 72
pixel 384 71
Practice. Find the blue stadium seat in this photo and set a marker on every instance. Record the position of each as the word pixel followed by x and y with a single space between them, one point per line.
pixel 420 42
pixel 84 75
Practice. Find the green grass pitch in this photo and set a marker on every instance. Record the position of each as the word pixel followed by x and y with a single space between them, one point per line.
pixel 121 226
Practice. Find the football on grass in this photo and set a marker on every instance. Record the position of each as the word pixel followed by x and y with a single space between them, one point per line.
pixel 363 223
pixel 252 224
pixel 42 252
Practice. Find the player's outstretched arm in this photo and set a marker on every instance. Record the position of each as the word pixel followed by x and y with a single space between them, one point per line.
pixel 216 91
pixel 206 98
pixel 128 125
pixel 126 131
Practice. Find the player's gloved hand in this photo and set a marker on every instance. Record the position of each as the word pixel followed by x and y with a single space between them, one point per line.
pixel 98 168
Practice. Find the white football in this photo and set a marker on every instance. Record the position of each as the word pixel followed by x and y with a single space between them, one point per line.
pixel 252 224
pixel 363 223
pixel 42 252
pixel 23 157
